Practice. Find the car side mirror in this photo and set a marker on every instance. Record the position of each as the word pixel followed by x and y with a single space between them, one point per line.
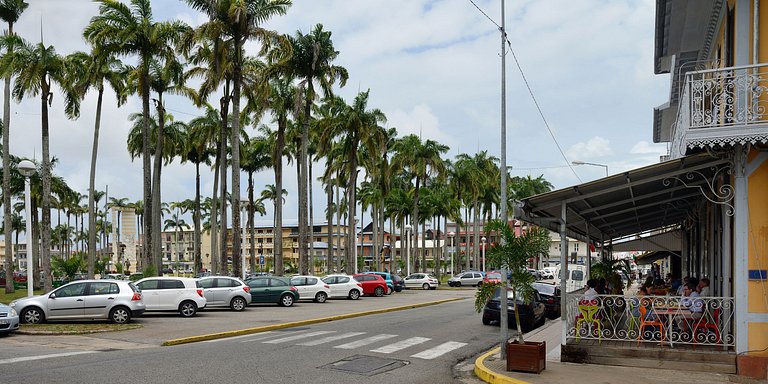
pixel 52 296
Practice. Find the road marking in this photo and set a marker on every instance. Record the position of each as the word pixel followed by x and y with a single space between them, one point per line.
pixel 328 339
pixel 268 334
pixel 228 338
pixel 401 345
pixel 366 341
pixel 296 337
pixel 40 357
pixel 439 350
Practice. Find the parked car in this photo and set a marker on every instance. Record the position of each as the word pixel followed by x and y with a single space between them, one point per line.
pixel 182 294
pixel 531 314
pixel 490 277
pixel 546 274
pixel 344 286
pixel 255 274
pixel 311 288
pixel 135 276
pixel 114 276
pixel 395 283
pixel 421 280
pixel 225 291
pixel 167 270
pixel 273 289
pixel 117 301
pixel 469 278
pixel 9 319
pixel 550 296
pixel 373 285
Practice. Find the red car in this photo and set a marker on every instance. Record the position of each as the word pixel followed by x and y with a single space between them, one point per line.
pixel 491 277
pixel 373 285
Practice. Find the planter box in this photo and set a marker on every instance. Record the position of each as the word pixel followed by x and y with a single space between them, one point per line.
pixel 528 357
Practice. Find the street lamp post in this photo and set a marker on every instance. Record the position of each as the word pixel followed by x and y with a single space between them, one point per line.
pixel 483 240
pixel 453 250
pixel 577 162
pixel 407 250
pixel 27 169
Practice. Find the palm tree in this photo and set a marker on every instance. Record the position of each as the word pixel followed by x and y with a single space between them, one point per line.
pixel 311 61
pixel 37 68
pixel 421 159
pixel 131 30
pixel 240 20
pixel 10 11
pixel 96 70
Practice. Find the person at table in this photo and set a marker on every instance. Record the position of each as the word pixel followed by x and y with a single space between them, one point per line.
pixel 692 302
pixel 681 288
pixel 703 287
pixel 591 293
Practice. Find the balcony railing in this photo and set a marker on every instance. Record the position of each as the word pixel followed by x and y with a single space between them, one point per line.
pixel 723 106
pixel 663 320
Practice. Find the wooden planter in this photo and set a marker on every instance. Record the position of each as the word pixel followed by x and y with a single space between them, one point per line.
pixel 528 357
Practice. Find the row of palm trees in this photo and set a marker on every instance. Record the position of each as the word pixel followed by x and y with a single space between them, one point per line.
pixel 284 93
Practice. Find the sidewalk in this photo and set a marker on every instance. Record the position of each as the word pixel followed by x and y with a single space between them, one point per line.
pixel 492 369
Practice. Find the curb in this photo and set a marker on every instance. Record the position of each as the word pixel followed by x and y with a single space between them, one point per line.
pixel 489 376
pixel 247 331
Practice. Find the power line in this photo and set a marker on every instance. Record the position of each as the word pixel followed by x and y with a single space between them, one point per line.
pixel 530 91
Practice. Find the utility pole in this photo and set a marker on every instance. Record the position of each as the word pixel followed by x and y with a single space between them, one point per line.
pixel 504 214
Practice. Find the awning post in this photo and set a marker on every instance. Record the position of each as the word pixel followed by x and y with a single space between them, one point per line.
pixel 564 274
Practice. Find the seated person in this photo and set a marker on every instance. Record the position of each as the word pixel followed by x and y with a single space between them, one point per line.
pixel 680 289
pixel 703 287
pixel 591 293
pixel 690 300
pixel 676 283
pixel 637 301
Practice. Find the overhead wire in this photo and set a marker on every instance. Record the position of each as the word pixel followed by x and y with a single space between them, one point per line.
pixel 530 91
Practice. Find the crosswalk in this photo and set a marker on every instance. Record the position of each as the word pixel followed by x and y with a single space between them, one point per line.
pixel 380 343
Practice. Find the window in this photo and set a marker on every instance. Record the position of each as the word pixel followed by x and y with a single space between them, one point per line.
pixel 311 280
pixel 577 274
pixel 278 283
pixel 171 284
pixel 342 279
pixel 576 247
pixel 206 283
pixel 100 288
pixel 71 290
pixel 147 285
pixel 226 283
pixel 298 281
pixel 330 280
pixel 258 283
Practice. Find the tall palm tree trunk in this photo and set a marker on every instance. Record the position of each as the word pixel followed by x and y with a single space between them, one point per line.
pixel 35 245
pixel 251 223
pixel 337 251
pixel 466 239
pixel 311 220
pixel 46 222
pixel 236 234
pixel 150 253
pixel 277 243
pixel 303 186
pixel 424 246
pixel 476 230
pixel 156 192
pixel 329 218
pixel 7 177
pixel 221 260
pixel 214 213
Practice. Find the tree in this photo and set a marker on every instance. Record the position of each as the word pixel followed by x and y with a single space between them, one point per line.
pixel 94 71
pixel 512 254
pixel 37 67
pixel 130 30
pixel 10 11
pixel 310 62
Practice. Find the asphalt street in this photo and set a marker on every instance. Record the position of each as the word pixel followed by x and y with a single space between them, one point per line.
pixel 422 345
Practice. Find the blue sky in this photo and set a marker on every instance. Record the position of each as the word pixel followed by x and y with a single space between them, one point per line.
pixel 433 67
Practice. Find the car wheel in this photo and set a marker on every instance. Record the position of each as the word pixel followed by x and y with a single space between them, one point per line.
pixel 486 321
pixel 286 300
pixel 354 294
pixel 457 284
pixel 32 315
pixel 320 297
pixel 237 304
pixel 187 308
pixel 425 287
pixel 120 315
pixel 378 292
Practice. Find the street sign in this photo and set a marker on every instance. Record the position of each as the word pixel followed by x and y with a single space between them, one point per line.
pixel 261 259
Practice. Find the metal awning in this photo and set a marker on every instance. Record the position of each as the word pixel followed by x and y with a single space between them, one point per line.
pixel 665 241
pixel 634 202
pixel 652 257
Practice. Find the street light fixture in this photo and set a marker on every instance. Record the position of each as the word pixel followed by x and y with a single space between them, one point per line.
pixel 27 169
pixel 451 235
pixel 577 162
pixel 483 240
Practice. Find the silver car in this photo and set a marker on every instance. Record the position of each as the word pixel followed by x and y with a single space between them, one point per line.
pixel 9 319
pixel 225 291
pixel 115 300
pixel 469 278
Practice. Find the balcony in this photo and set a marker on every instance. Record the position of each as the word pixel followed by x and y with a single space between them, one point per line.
pixel 722 107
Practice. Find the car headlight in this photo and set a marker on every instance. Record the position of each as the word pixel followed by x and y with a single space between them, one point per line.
pixel 13 313
pixel 13 304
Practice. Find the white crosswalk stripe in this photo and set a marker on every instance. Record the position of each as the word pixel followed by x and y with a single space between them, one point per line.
pixel 331 338
pixel 439 350
pixel 401 345
pixel 364 342
pixel 296 337
pixel 230 338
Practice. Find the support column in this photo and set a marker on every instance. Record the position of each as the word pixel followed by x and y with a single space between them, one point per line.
pixel 589 253
pixel 564 275
pixel 740 248
pixel 726 280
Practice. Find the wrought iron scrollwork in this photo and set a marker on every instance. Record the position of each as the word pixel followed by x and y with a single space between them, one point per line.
pixel 721 194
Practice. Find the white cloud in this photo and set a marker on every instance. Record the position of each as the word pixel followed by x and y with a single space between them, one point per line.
pixel 594 147
pixel 643 147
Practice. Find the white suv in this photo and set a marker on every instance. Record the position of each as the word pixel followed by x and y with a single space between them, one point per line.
pixel 172 294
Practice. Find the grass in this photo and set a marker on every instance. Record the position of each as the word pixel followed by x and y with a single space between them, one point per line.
pixel 6 298
pixel 76 328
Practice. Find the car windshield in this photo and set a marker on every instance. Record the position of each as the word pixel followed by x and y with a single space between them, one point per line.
pixel 547 289
pixel 494 275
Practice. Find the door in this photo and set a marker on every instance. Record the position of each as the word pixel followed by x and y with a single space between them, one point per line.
pixel 150 294
pixel 224 290
pixel 67 302
pixel 332 285
pixel 171 294
pixel 259 288
pixel 101 296
pixel 301 285
pixel 275 289
pixel 209 290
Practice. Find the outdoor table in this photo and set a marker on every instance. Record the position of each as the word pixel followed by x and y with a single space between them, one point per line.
pixel 669 313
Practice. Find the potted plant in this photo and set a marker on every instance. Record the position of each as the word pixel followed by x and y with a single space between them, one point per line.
pixel 512 253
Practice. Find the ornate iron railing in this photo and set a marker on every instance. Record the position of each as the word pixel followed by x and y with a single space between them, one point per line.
pixel 722 106
pixel 663 320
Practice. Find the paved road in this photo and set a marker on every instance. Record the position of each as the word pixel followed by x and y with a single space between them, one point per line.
pixel 421 345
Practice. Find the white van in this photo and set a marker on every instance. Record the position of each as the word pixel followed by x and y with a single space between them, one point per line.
pixel 577 279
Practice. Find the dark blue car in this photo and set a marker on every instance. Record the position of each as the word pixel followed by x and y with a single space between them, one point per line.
pixel 394 282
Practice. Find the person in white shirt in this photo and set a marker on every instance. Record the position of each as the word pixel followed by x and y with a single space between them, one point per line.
pixel 703 287
pixel 590 293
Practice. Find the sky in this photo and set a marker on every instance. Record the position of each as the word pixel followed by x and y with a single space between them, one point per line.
pixel 433 67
